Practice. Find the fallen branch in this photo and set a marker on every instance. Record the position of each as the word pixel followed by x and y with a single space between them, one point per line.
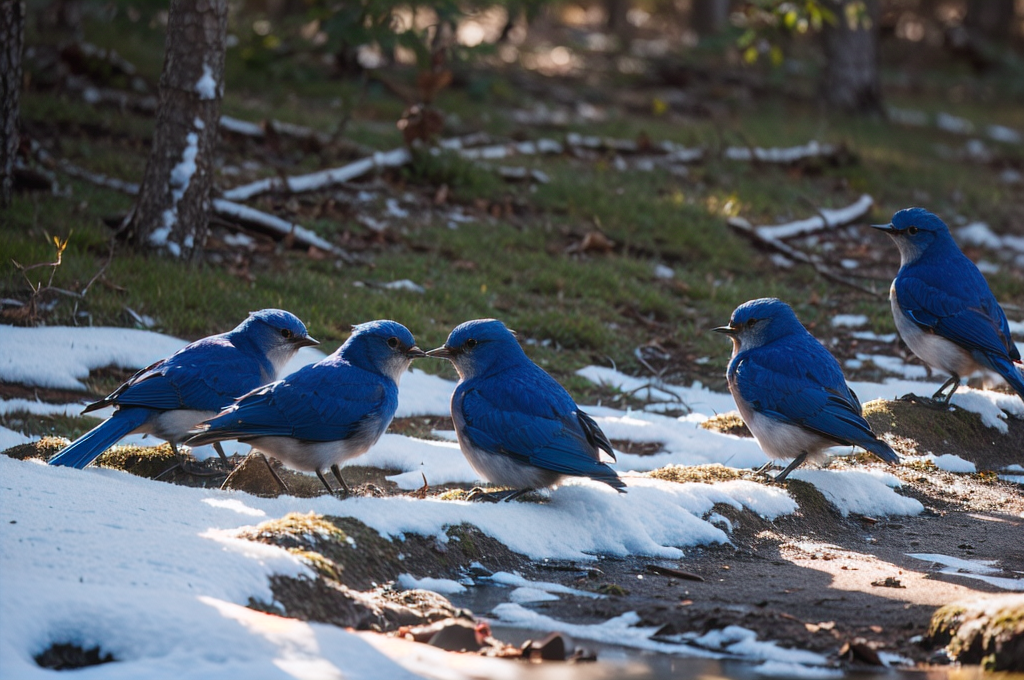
pixel 256 218
pixel 743 226
pixel 499 151
pixel 781 155
pixel 227 209
pixel 826 218
pixel 301 133
pixel 324 178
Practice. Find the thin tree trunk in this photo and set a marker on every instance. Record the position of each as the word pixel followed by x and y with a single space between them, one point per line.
pixel 709 17
pixel 173 208
pixel 851 80
pixel 12 37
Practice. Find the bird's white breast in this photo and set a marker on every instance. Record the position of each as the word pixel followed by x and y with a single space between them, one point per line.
pixel 777 439
pixel 931 348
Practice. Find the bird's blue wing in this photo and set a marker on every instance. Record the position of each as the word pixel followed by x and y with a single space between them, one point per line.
pixel 963 311
pixel 325 405
pixel 804 388
pixel 533 421
pixel 205 376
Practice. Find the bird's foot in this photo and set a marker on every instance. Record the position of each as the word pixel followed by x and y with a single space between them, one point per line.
pixel 930 402
pixel 480 495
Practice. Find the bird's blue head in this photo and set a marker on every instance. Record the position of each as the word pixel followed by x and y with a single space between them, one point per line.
pixel 479 347
pixel 385 347
pixel 276 333
pixel 915 230
pixel 759 322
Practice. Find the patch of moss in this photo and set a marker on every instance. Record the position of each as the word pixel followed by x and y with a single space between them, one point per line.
pixel 728 423
pixel 142 461
pixel 43 449
pixel 989 631
pixel 304 529
pixel 696 473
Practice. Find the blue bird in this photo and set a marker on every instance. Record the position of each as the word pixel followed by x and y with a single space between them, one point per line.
pixel 790 390
pixel 943 307
pixel 175 394
pixel 327 412
pixel 516 425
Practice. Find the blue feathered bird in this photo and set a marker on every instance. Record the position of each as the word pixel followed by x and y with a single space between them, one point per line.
pixel 327 412
pixel 943 307
pixel 516 425
pixel 175 394
pixel 790 390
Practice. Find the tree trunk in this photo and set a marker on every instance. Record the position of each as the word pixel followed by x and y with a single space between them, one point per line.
pixel 12 37
pixel 173 208
pixel 991 18
pixel 851 81
pixel 709 17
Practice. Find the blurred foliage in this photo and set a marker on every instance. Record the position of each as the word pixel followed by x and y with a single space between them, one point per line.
pixel 769 25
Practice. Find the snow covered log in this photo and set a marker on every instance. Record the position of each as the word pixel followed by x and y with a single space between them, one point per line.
pixel 826 218
pixel 256 218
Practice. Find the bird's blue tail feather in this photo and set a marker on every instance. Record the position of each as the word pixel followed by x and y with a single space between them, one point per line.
pixel 880 449
pixel 90 445
pixel 1011 374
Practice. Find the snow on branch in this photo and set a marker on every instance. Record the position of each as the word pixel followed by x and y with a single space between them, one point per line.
pixel 783 155
pixel 826 218
pixel 272 223
pixel 324 178
pixel 769 238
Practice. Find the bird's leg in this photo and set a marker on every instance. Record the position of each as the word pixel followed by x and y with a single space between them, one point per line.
pixel 515 494
pixel 324 481
pixel 220 452
pixel 479 494
pixel 954 380
pixel 336 471
pixel 781 477
pixel 273 473
pixel 174 448
pixel 935 401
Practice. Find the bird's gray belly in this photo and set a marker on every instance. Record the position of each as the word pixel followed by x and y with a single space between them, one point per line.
pixel 310 456
pixel 930 348
pixel 174 426
pixel 781 440
pixel 505 471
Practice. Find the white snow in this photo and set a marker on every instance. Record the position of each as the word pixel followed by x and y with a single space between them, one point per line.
pixel 443 586
pixel 865 492
pixel 663 272
pixel 849 320
pixel 206 86
pixel 520 582
pixel 981 570
pixel 951 463
pixel 980 234
pixel 404 284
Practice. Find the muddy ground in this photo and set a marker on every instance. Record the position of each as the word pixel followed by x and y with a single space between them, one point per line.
pixel 841 586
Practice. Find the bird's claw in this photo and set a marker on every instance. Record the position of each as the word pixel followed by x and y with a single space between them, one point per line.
pixel 477 494
pixel 930 402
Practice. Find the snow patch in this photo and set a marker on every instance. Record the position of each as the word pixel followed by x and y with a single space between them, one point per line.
pixel 849 320
pixel 206 86
pixel 951 463
pixel 862 492
pixel 442 586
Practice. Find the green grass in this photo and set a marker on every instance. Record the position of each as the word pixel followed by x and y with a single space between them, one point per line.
pixel 527 270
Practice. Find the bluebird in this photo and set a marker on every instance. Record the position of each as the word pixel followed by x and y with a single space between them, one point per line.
pixel 790 390
pixel 327 412
pixel 943 307
pixel 175 394
pixel 515 424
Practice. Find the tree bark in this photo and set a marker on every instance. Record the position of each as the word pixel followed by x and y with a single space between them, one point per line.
pixel 709 17
pixel 172 212
pixel 851 80
pixel 991 18
pixel 12 38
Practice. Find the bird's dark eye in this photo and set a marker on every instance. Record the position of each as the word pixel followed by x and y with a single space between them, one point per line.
pixel 751 323
pixel 912 231
pixel 471 343
pixel 285 333
pixel 392 342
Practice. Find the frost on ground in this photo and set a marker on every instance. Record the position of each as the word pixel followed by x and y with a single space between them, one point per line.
pixel 155 574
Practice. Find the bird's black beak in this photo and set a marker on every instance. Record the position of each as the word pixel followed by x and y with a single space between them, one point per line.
pixel 305 341
pixel 441 352
pixel 415 352
pixel 726 330
pixel 887 228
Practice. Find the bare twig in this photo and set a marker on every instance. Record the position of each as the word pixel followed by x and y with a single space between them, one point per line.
pixel 250 216
pixel 743 226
